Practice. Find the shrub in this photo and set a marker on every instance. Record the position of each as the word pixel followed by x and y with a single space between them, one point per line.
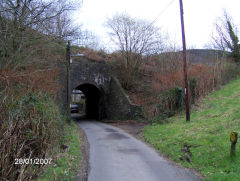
pixel 29 127
pixel 193 88
pixel 173 98
pixel 230 72
pixel 161 114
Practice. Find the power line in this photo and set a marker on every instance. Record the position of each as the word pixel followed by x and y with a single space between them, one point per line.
pixel 169 4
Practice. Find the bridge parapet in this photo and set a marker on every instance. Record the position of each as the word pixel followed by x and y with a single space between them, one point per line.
pixel 98 74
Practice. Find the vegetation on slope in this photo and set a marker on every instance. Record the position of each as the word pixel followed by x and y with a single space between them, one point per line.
pixel 32 37
pixel 160 75
pixel 203 143
pixel 32 126
pixel 66 162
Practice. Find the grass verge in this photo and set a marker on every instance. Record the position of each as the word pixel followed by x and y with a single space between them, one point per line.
pixel 204 143
pixel 66 162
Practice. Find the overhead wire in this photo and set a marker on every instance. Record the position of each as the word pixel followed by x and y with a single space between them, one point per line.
pixel 169 4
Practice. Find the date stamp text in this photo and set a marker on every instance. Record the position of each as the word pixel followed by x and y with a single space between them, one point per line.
pixel 32 161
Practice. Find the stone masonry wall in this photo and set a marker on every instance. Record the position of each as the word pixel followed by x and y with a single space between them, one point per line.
pixel 118 104
pixel 98 74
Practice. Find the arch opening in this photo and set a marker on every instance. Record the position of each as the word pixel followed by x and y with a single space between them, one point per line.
pixel 93 100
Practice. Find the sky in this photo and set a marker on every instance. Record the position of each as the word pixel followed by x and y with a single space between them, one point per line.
pixel 199 15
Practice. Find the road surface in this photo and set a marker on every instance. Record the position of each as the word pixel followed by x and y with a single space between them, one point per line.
pixel 115 155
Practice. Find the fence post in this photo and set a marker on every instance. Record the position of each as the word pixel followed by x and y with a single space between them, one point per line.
pixel 233 139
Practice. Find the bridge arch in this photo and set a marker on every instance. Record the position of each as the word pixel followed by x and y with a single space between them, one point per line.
pixel 95 100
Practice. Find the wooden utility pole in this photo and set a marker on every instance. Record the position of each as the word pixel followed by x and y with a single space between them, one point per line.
pixel 68 57
pixel 184 64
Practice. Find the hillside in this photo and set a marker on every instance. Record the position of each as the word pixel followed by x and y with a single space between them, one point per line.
pixel 203 144
pixel 160 74
pixel 204 55
pixel 198 55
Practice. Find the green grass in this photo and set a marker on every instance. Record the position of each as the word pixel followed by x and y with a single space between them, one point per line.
pixel 208 134
pixel 65 164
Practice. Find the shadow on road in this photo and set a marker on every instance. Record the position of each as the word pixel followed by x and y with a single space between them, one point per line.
pixel 78 117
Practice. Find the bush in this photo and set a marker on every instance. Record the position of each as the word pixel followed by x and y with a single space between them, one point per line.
pixel 162 117
pixel 193 88
pixel 231 71
pixel 29 127
pixel 172 101
pixel 173 98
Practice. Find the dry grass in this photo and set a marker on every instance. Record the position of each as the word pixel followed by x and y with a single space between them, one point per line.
pixel 32 78
pixel 160 74
pixel 93 55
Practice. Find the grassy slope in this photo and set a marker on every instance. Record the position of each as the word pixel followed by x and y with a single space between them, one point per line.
pixel 208 135
pixel 66 163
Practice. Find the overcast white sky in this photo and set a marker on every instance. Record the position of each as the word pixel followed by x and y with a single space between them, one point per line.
pixel 199 16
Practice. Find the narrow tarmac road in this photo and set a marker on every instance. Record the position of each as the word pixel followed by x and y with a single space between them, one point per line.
pixel 115 155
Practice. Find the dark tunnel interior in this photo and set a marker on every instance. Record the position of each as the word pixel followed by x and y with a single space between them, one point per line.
pixel 93 95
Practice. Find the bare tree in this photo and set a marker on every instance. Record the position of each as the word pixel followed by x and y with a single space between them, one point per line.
pixel 226 37
pixel 23 24
pixel 134 38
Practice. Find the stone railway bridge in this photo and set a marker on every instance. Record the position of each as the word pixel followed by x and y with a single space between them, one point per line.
pixel 105 98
